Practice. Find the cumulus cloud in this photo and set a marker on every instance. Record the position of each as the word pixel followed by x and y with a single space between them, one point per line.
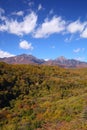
pixel 5 54
pixel 28 25
pixel 75 27
pixel 25 45
pixel 20 28
pixel 55 25
pixel 25 27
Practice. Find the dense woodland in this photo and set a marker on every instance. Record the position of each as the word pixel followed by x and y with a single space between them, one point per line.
pixel 40 97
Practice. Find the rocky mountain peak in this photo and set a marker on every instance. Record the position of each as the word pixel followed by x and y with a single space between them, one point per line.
pixel 29 59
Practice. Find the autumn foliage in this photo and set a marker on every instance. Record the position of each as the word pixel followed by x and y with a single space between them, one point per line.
pixel 40 97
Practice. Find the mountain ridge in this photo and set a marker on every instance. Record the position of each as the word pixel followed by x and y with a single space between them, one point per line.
pixel 30 59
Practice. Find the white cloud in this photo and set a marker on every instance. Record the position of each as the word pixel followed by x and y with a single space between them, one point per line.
pixel 77 50
pixel 40 7
pixel 55 25
pixel 2 11
pixel 2 17
pixel 25 45
pixel 5 54
pixel 19 13
pixel 75 27
pixel 84 33
pixel 51 26
pixel 80 58
pixel 69 39
pixel 3 28
pixel 46 59
pixel 20 28
pixel 25 27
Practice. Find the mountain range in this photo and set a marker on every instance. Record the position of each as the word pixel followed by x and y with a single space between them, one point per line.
pixel 29 59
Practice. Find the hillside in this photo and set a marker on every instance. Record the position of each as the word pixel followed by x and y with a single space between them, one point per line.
pixel 29 59
pixel 22 59
pixel 42 97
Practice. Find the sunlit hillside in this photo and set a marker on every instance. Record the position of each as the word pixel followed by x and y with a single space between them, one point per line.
pixel 40 97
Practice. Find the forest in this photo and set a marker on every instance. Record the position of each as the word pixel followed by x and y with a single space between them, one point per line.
pixel 41 97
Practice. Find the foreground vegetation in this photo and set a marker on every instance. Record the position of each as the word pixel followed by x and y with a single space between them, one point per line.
pixel 34 97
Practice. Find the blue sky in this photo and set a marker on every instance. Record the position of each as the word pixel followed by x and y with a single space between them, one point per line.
pixel 46 29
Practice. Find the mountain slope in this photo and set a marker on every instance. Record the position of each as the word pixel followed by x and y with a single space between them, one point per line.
pixel 42 97
pixel 67 63
pixel 29 59
pixel 22 59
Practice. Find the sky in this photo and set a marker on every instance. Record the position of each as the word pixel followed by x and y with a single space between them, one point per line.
pixel 46 29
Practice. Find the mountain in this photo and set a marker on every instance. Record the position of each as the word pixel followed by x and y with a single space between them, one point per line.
pixel 66 63
pixel 29 59
pixel 22 59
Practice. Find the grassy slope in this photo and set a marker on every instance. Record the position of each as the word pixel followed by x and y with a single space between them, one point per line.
pixel 42 98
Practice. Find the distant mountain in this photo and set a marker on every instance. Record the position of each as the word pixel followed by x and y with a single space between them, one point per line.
pixel 29 59
pixel 22 59
pixel 67 63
